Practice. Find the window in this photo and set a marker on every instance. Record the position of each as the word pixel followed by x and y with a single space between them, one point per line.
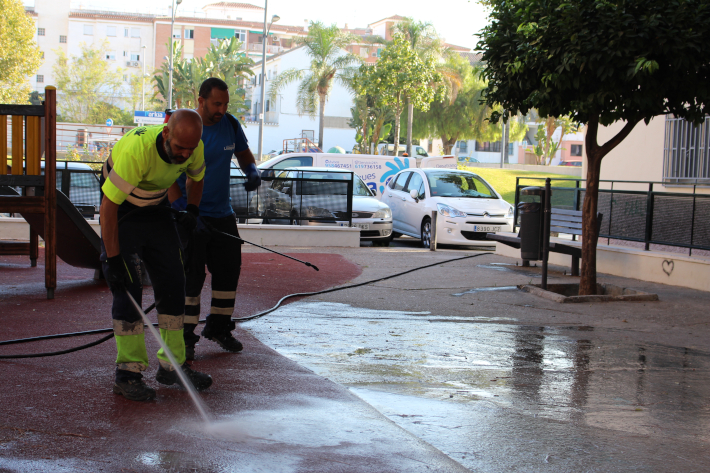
pixel 241 35
pixel 40 31
pixel 42 53
pixel 374 54
pixel 125 32
pixel 575 150
pixel 268 105
pixel 189 33
pixel 135 57
pixel 40 78
pixel 125 77
pixel 293 162
pixel 401 181
pixel 487 146
pixel 177 33
pixel 463 146
pixel 62 38
pixel 686 152
pixel 110 31
pixel 111 56
pixel 125 53
pixel 89 30
pixel 135 32
pixel 379 51
pixel 364 52
pixel 416 183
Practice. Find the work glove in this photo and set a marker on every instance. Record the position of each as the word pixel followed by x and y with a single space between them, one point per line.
pixel 180 203
pixel 188 218
pixel 117 275
pixel 253 178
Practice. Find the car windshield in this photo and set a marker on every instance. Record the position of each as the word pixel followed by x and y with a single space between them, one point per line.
pixel 455 184
pixel 360 188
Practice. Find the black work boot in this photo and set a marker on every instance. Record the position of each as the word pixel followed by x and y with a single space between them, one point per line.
pixel 131 386
pixel 169 377
pixel 191 340
pixel 219 330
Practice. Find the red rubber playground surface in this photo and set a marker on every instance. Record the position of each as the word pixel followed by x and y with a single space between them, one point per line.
pixel 59 413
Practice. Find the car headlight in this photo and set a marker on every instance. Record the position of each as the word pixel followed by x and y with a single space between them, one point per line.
pixel 510 212
pixel 382 213
pixel 448 211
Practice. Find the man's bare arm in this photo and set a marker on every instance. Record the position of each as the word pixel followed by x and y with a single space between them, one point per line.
pixel 194 191
pixel 109 227
pixel 245 158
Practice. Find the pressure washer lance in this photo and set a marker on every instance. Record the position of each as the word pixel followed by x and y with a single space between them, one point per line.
pixel 212 229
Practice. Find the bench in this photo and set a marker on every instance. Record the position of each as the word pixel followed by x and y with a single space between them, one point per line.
pixel 561 221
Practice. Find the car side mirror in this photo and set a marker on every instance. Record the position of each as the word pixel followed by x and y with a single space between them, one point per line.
pixel 415 194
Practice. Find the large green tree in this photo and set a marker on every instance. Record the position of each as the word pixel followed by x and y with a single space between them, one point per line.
pixel 19 54
pixel 427 44
pixel 599 61
pixel 86 85
pixel 400 74
pixel 223 60
pixel 461 114
pixel 330 62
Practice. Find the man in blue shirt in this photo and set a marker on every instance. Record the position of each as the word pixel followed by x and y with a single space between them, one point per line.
pixel 223 137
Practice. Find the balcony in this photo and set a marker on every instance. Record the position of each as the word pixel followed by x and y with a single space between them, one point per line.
pixel 270 48
pixel 270 118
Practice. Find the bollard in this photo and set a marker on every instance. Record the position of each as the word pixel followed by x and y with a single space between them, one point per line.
pixel 432 243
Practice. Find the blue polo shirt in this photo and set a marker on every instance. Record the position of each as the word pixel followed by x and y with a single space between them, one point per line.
pixel 221 142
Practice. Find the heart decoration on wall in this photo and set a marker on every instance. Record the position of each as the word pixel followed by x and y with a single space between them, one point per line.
pixel 668 266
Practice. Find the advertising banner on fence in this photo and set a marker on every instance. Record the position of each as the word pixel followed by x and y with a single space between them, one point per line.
pixel 148 118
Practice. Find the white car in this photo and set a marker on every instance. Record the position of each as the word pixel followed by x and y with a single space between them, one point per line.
pixel 468 207
pixel 288 199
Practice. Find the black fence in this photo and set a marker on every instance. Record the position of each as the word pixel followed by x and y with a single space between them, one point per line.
pixel 285 200
pixel 648 216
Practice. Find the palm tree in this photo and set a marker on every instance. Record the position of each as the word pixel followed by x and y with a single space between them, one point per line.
pixel 426 42
pixel 329 62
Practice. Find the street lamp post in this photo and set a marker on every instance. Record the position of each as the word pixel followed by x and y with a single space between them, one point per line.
pixel 172 25
pixel 143 79
pixel 274 19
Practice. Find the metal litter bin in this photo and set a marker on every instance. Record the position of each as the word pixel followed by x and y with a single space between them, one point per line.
pixel 531 224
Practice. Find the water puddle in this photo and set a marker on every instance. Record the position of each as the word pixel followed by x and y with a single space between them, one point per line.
pixel 548 398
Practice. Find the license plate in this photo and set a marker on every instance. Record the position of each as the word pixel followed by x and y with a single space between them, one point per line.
pixel 361 226
pixel 487 228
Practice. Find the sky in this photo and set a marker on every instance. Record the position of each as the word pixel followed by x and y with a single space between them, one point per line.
pixel 455 20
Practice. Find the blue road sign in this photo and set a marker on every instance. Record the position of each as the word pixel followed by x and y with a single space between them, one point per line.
pixel 109 122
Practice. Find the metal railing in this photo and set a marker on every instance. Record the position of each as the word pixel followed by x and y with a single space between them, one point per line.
pixel 270 48
pixel 647 216
pixel 282 201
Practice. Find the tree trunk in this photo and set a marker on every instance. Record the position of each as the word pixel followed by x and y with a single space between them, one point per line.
pixel 449 143
pixel 590 224
pixel 322 122
pixel 410 118
pixel 397 114
pixel 506 142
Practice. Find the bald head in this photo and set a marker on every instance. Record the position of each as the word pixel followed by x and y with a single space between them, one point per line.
pixel 182 135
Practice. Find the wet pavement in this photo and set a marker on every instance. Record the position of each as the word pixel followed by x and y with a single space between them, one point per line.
pixel 446 369
pixel 498 396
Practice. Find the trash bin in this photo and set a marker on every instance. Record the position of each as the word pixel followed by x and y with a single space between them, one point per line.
pixel 531 224
pixel 82 137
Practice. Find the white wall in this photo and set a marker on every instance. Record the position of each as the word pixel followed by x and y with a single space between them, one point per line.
pixel 53 16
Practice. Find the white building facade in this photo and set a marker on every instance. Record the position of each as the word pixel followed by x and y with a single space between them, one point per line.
pixel 282 120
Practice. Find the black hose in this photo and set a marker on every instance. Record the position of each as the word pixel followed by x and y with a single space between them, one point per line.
pixel 241 319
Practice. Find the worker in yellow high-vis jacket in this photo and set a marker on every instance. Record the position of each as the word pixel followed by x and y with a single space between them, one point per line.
pixel 143 165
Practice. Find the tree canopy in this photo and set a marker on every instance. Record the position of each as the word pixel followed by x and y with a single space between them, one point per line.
pixel 400 74
pixel 19 54
pixel 87 85
pixel 598 61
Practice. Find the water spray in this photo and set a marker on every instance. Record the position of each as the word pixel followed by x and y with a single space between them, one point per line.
pixel 185 381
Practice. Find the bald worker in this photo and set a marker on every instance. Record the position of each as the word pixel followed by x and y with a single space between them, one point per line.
pixel 136 224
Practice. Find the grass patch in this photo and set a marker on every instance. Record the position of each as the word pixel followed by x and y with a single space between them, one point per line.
pixel 503 180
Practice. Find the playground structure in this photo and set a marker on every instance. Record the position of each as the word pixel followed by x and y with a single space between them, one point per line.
pixel 33 135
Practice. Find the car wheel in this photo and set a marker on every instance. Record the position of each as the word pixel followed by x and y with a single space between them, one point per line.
pixel 396 235
pixel 426 233
pixel 381 242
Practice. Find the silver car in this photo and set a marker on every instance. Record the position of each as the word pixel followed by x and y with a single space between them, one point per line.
pixel 372 217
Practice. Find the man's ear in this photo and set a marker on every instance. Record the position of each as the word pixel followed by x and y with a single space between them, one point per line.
pixel 166 132
pixel 200 102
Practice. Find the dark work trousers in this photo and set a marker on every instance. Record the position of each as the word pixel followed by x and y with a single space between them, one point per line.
pixel 154 241
pixel 223 257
